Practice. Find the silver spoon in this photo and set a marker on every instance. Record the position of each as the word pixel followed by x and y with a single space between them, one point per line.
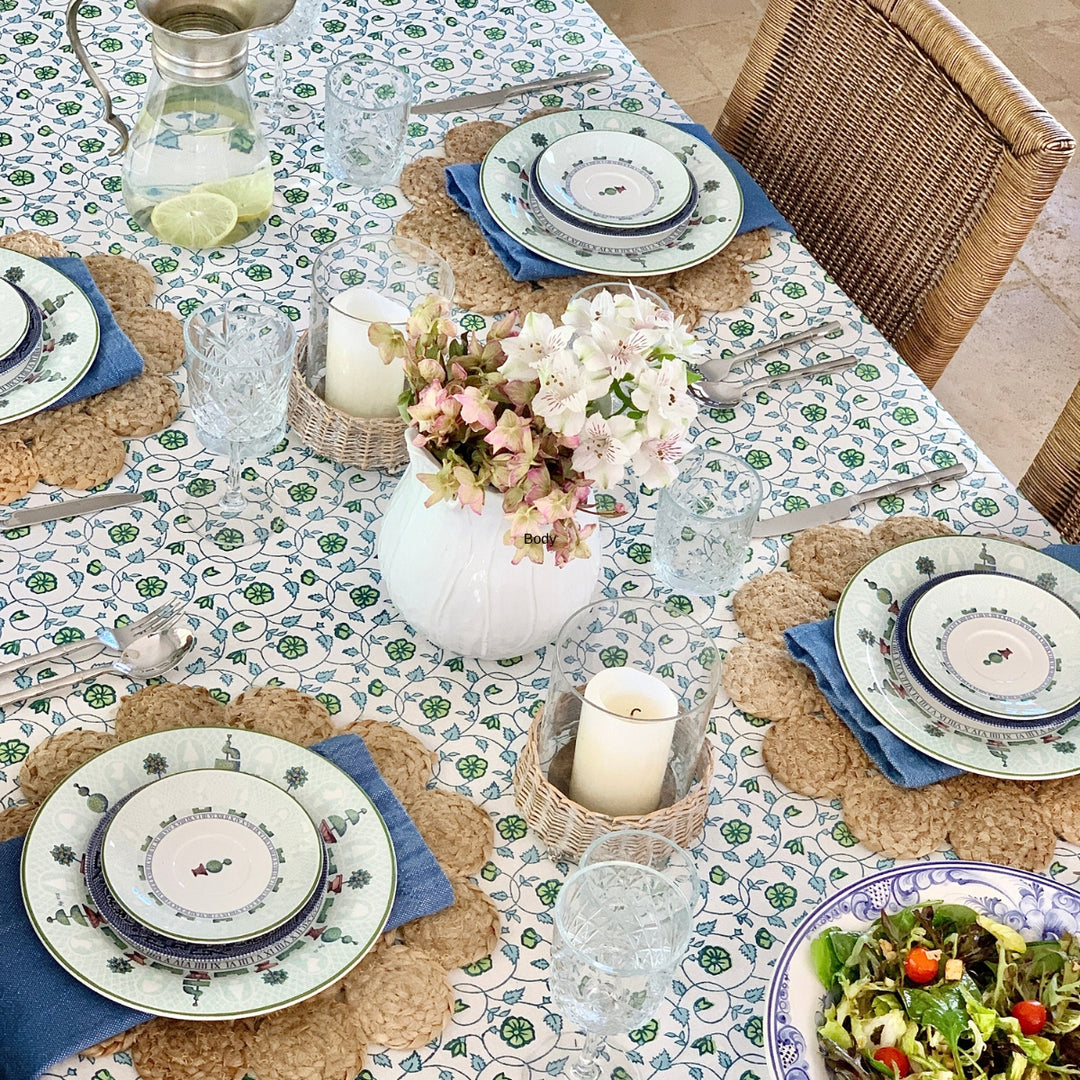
pixel 144 658
pixel 114 638
pixel 724 393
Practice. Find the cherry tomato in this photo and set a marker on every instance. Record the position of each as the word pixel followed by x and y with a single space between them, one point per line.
pixel 920 966
pixel 895 1059
pixel 1032 1016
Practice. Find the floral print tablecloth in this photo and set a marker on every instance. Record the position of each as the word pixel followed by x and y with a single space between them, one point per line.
pixel 309 606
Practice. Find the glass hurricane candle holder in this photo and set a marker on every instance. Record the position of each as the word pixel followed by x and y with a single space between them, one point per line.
pixel 629 697
pixel 354 283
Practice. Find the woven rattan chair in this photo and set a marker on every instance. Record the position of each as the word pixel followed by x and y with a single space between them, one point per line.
pixel 910 162
pixel 1052 482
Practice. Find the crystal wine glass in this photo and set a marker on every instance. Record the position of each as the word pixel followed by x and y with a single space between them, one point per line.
pixel 298 29
pixel 239 355
pixel 621 929
pixel 649 849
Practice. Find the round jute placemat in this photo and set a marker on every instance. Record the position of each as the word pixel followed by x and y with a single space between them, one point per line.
pixel 82 445
pixel 399 996
pixel 811 751
pixel 485 286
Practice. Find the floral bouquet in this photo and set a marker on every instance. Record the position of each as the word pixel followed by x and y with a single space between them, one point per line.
pixel 542 413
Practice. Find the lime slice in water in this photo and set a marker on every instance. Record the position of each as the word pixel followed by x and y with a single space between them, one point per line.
pixel 252 195
pixel 196 220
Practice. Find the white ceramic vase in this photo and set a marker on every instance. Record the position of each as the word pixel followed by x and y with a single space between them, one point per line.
pixel 450 575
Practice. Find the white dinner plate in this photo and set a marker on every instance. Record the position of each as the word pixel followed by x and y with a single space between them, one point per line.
pixel 613 178
pixel 1034 906
pixel 70 336
pixel 865 622
pixel 1012 653
pixel 211 855
pixel 359 894
pixel 504 185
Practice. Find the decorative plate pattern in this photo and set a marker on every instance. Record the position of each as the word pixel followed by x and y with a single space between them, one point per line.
pixel 613 178
pixel 212 855
pixel 70 336
pixel 309 608
pixel 1034 906
pixel 360 890
pixel 220 956
pixel 26 356
pixel 504 184
pixel 1015 654
pixel 865 622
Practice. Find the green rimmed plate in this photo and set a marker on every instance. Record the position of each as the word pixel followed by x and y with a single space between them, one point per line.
pixel 70 334
pixel 363 876
pixel 211 855
pixel 865 621
pixel 504 185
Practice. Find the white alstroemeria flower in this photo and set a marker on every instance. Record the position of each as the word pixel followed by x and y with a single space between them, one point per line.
pixel 538 338
pixel 661 395
pixel 563 394
pixel 582 315
pixel 618 351
pixel 657 462
pixel 676 340
pixel 605 447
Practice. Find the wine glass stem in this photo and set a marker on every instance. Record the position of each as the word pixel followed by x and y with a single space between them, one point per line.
pixel 233 501
pixel 277 99
pixel 586 1066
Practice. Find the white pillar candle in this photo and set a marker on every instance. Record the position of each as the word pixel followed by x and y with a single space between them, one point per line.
pixel 619 764
pixel 357 381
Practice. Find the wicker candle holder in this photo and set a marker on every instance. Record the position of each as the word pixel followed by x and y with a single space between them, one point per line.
pixel 369 442
pixel 568 828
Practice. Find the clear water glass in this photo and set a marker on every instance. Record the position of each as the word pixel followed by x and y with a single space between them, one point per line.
pixel 367 113
pixel 652 850
pixel 703 523
pixel 618 289
pixel 239 358
pixel 621 930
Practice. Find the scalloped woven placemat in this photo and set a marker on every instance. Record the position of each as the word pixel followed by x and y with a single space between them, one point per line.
pixel 810 750
pixel 81 446
pixel 399 996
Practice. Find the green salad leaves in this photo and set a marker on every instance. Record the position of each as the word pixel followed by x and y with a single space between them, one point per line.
pixel 940 992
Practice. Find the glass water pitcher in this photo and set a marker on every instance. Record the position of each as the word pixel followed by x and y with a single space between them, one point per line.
pixel 196 167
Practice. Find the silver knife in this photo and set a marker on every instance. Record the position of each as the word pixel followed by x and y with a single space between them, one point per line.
pixel 838 509
pixel 493 97
pixel 53 511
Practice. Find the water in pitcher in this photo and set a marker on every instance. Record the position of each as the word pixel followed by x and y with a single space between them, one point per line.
pixel 197 172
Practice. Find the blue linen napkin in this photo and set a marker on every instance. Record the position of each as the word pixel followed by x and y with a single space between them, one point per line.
pixel 813 644
pixel 463 186
pixel 48 1016
pixel 117 361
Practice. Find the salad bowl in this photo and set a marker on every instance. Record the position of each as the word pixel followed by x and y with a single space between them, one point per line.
pixel 1035 907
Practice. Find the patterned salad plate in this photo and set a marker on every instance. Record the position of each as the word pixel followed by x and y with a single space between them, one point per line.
pixel 14 320
pixel 211 855
pixel 25 357
pixel 213 956
pixel 70 336
pixel 613 178
pixel 865 623
pixel 1036 907
pixel 356 898
pixel 1013 653
pixel 504 185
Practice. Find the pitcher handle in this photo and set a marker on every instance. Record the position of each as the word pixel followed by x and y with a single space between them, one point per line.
pixel 71 23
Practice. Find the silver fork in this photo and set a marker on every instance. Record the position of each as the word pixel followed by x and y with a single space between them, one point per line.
pixel 114 638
